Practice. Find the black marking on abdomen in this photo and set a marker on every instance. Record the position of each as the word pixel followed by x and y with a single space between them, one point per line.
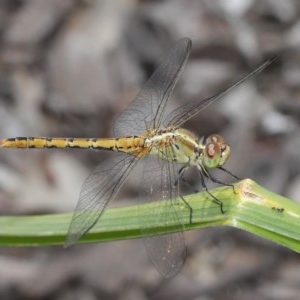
pixel 28 140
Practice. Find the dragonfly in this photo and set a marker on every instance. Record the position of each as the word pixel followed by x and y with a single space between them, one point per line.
pixel 168 150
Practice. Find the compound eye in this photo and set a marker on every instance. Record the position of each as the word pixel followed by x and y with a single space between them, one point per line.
pixel 212 155
pixel 215 138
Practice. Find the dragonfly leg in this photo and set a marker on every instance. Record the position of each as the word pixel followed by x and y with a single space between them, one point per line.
pixel 215 199
pixel 189 208
pixel 230 173
pixel 180 174
pixel 189 184
pixel 180 177
pixel 215 180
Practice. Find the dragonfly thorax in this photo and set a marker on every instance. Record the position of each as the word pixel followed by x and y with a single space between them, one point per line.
pixel 172 144
pixel 182 146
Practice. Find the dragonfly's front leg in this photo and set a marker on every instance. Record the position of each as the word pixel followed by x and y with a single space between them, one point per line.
pixel 215 199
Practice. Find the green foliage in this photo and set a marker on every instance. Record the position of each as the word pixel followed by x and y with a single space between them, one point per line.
pixel 249 207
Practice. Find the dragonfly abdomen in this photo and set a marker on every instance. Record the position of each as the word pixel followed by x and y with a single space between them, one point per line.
pixel 44 142
pixel 126 144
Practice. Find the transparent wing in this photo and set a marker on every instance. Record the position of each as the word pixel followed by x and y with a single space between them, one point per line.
pixel 167 252
pixel 146 110
pixel 99 187
pixel 183 113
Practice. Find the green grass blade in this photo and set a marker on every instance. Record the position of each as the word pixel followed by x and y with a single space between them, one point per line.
pixel 250 207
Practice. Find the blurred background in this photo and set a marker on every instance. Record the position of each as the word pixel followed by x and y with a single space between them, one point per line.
pixel 67 68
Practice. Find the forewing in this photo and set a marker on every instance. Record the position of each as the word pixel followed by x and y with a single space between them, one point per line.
pixel 167 252
pixel 98 189
pixel 146 110
pixel 183 113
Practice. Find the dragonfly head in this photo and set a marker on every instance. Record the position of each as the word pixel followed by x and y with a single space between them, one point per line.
pixel 216 152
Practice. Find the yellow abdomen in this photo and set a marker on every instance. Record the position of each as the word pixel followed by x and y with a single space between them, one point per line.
pixel 131 144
